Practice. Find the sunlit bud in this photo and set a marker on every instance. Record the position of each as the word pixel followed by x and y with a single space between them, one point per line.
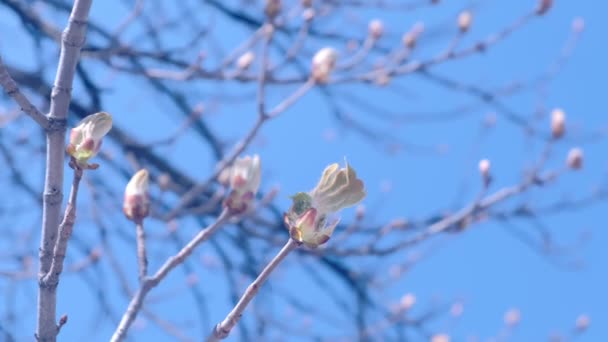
pixel 407 301
pixel 85 138
pixel 582 323
pixel 164 181
pixel 484 168
pixel 272 8
pixel 311 231
pixel 410 38
pixel 338 188
pixel 440 338
pixel 308 14
pixel 512 317
pixel 465 19
pixel 375 28
pixel 268 30
pixel 382 78
pixel 323 64
pixel 360 212
pixel 95 254
pixel 457 309
pixel 245 178
pixel 136 205
pixel 558 123
pixel 578 24
pixel 244 62
pixel 544 6
pixel 575 158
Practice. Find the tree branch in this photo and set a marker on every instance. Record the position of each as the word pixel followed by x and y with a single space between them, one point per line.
pixel 149 283
pixel 222 330
pixel 11 88
pixel 71 43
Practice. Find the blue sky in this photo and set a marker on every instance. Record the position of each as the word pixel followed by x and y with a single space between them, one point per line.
pixel 485 267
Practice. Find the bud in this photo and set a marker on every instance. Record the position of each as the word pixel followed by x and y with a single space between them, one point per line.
pixel 272 8
pixel 376 29
pixel 578 25
pixel 410 38
pixel 407 301
pixel 512 317
pixel 544 6
pixel 307 217
pixel 457 309
pixel 575 158
pixel 582 323
pixel 306 3
pixel 440 338
pixel 465 18
pixel 484 168
pixel 244 62
pixel 323 64
pixel 558 123
pixel 136 204
pixel 245 178
pixel 85 138
pixel 308 14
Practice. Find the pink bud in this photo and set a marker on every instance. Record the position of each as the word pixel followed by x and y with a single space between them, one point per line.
pixel 136 204
pixel 575 158
pixel 558 123
pixel 465 18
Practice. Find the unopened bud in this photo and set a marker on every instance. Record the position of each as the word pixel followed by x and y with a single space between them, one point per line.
pixel 376 29
pixel 410 38
pixel 164 181
pixel 484 168
pixel 457 309
pixel 244 62
pixel 308 14
pixel 272 8
pixel 323 63
pixel 575 158
pixel 465 18
pixel 512 317
pixel 578 25
pixel 382 78
pixel 544 6
pixel 136 205
pixel 306 3
pixel 582 323
pixel 440 338
pixel 360 212
pixel 407 301
pixel 558 123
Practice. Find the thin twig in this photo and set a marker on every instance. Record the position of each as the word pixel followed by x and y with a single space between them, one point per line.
pixel 71 43
pixel 222 330
pixel 142 259
pixel 11 88
pixel 149 283
pixel 65 232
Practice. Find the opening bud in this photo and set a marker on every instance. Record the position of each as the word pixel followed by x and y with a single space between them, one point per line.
pixel 245 178
pixel 86 137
